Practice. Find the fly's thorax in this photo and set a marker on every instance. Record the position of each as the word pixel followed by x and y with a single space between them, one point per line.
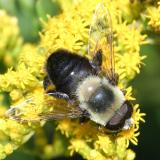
pixel 87 87
pixel 100 98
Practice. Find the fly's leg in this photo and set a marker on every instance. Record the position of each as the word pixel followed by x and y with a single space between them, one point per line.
pixel 97 59
pixel 59 95
pixel 46 83
pixel 115 80
pixel 84 118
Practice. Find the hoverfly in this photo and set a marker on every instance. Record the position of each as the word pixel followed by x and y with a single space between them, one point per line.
pixel 89 86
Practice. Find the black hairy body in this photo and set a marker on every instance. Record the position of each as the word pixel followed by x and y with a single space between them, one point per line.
pixel 67 70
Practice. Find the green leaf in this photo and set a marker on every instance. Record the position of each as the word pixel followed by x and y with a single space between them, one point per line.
pixel 47 7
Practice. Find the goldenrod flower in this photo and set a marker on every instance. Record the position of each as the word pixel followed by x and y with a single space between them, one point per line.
pixel 153 14
pixel 69 30
pixel 21 84
pixel 10 40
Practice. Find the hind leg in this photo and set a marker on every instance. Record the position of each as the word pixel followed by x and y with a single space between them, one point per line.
pixel 59 95
pixel 46 83
pixel 54 93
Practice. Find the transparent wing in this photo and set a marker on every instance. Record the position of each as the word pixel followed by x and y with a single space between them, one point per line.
pixel 61 109
pixel 101 38
pixel 56 109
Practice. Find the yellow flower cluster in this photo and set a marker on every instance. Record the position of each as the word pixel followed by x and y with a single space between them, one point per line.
pixel 153 14
pixel 69 30
pixel 10 41
pixel 72 33
pixel 128 50
pixel 12 134
pixel 19 84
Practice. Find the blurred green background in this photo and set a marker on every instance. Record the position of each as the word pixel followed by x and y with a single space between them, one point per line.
pixel 147 92
pixel 146 85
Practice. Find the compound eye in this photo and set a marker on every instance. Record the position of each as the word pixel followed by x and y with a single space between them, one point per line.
pixel 128 109
pixel 118 120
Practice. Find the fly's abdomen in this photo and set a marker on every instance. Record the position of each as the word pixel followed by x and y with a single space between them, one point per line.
pixel 65 70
